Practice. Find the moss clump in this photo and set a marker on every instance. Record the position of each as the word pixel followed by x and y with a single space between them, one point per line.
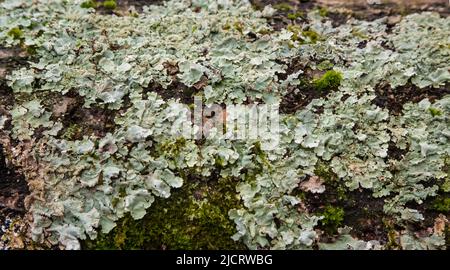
pixel 89 4
pixel 323 170
pixel 392 242
pixel 226 27
pixel 283 7
pixel 323 11
pixel 445 187
pixel 435 112
pixel 239 26
pixel 292 16
pixel 73 132
pixel 303 36
pixel 260 155
pixel 110 4
pixel 264 31
pixel 330 80
pixel 446 184
pixel 313 36
pixel 332 218
pixel 15 33
pixel 31 50
pixel 171 147
pixel 257 6
pixel 295 30
pixel 358 34
pixel 341 192
pixel 295 15
pixel 194 217
pixel 442 204
pixel 325 65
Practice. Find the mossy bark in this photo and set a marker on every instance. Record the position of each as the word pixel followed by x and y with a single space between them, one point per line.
pixel 194 217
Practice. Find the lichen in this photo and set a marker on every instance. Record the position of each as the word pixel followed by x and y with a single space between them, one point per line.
pixel 135 179
pixel 192 218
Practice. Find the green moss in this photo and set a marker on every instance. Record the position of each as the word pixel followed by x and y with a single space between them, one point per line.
pixel 435 112
pixel 296 30
pixel 89 4
pixel 324 171
pixel 325 65
pixel 358 34
pixel 171 147
pixel 73 132
pixel 323 11
pixel 442 204
pixel 295 15
pixel 313 36
pixel 260 155
pixel 15 33
pixel 283 7
pixel 31 50
pixel 446 183
pixel 330 80
pixel 264 31
pixel 292 16
pixel 226 27
pixel 110 4
pixel 194 217
pixel 257 6
pixel 332 218
pixel 238 26
pixel 297 34
pixel 341 192
pixel 303 36
pixel 392 243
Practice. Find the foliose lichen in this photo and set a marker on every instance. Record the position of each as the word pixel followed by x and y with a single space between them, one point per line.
pixel 85 187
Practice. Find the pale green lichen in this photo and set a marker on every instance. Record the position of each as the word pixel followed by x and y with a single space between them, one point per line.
pixel 88 184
